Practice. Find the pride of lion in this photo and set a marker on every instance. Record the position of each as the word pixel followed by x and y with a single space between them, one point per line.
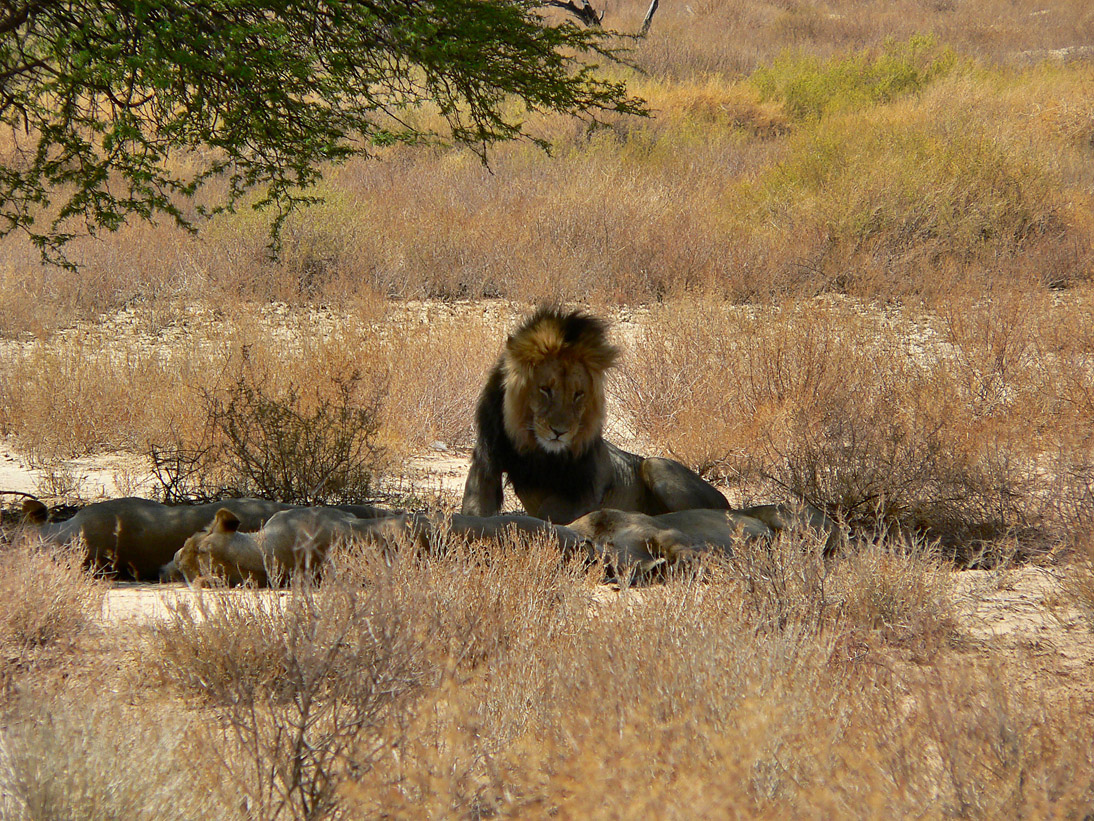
pixel 539 424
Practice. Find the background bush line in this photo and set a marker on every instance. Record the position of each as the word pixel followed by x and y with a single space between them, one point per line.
pixel 890 171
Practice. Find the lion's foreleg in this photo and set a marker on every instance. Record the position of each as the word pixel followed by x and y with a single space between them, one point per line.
pixel 482 495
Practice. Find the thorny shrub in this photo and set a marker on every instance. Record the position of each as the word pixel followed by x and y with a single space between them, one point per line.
pixel 297 445
pixel 923 422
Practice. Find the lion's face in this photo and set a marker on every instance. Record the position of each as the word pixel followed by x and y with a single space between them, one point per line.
pixel 560 399
pixel 554 383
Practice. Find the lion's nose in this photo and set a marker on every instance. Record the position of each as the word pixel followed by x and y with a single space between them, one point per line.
pixel 557 431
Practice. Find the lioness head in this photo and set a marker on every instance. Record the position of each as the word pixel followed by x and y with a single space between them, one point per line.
pixel 197 556
pixel 554 368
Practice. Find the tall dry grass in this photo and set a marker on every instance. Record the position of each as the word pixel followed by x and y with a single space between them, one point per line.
pixel 49 604
pixel 77 751
pixel 877 167
pixel 507 683
pixel 969 421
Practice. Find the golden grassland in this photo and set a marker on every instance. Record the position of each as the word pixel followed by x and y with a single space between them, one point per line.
pixel 848 257
pixel 504 683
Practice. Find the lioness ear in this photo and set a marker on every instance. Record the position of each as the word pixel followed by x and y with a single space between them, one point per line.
pixel 226 521
pixel 35 512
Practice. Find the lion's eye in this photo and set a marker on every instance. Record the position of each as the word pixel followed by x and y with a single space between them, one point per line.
pixel 546 391
pixel 578 396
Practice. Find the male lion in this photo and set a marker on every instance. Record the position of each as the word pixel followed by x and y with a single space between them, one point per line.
pixel 540 419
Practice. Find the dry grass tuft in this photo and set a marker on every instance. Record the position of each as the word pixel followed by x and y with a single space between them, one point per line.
pixel 505 682
pixel 47 600
pixel 900 591
pixel 79 751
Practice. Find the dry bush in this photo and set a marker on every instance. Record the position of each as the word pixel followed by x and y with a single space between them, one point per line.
pixel 505 682
pixel 870 413
pixel 900 590
pixel 315 686
pixel 47 600
pixel 434 377
pixel 1077 579
pixel 784 583
pixel 295 448
pixel 304 682
pixel 84 752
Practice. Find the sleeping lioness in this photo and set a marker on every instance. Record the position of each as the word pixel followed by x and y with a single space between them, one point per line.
pixel 300 539
pixel 134 536
pixel 627 538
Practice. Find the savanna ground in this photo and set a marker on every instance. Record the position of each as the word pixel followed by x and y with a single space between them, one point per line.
pixel 849 258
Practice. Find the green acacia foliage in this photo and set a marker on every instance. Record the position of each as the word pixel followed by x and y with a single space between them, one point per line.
pixel 112 108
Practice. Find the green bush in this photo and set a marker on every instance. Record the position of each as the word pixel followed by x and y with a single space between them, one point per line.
pixel 893 179
pixel 810 87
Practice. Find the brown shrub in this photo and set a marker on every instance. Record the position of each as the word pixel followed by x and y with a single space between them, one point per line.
pixel 47 600
pixel 926 422
pixel 80 751
pixel 505 682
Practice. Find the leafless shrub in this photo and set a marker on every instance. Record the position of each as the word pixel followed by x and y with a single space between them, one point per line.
pixel 900 589
pixel 279 445
pixel 304 682
pixel 923 423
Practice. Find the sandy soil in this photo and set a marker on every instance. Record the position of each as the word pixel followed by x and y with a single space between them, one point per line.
pixel 96 477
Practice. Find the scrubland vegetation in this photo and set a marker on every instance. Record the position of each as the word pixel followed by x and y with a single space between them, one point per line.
pixel 511 685
pixel 848 258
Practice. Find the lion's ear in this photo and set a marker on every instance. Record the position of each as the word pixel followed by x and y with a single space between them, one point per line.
pixel 597 354
pixel 226 521
pixel 35 512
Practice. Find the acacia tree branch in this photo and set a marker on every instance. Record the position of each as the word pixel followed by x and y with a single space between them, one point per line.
pixel 649 19
pixel 264 96
pixel 583 12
